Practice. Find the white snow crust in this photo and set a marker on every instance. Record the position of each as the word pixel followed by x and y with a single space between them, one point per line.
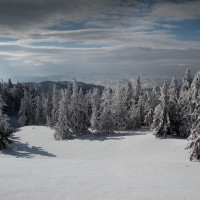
pixel 129 165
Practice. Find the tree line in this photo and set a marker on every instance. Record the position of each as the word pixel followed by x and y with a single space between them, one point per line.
pixel 168 110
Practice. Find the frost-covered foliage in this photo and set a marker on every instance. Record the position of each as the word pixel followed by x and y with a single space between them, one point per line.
pixel 62 125
pixel 187 102
pixel 38 111
pixel 194 138
pixel 138 90
pixel 150 104
pixel 118 107
pixel 22 114
pixel 78 122
pixel 174 106
pixel 106 123
pixel 55 106
pixel 161 121
pixel 96 101
pixel 5 129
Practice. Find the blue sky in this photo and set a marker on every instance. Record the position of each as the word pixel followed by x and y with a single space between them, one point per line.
pixel 46 37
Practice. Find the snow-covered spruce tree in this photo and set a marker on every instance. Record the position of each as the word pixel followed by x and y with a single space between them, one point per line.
pixel 194 138
pixel 138 91
pixel 95 100
pixel 137 106
pixel 186 105
pixel 25 109
pixel 106 122
pixel 78 122
pixel 54 111
pixel 18 95
pixel 129 96
pixel 62 126
pixel 151 103
pixel 38 111
pixel 174 106
pixel 10 84
pixel 47 107
pixel 88 106
pixel 186 84
pixel 5 129
pixel 137 111
pixel 161 121
pixel 22 114
pixel 118 108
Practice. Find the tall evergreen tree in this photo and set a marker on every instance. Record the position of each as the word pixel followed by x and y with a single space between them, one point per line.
pixel 174 106
pixel 138 91
pixel 5 129
pixel 95 100
pixel 62 125
pixel 78 122
pixel 38 111
pixel 22 114
pixel 150 104
pixel 194 138
pixel 106 122
pixel 161 121
pixel 54 111
pixel 118 107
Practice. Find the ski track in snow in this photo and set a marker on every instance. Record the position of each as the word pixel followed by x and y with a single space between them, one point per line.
pixel 129 165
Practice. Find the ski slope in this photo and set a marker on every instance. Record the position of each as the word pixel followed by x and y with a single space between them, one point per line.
pixel 128 165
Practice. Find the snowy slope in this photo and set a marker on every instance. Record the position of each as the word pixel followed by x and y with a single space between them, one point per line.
pixel 131 165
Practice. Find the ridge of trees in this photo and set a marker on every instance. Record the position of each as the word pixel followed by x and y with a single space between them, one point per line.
pixel 168 110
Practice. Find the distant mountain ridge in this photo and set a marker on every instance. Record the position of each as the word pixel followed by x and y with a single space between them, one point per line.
pixel 94 78
pixel 48 85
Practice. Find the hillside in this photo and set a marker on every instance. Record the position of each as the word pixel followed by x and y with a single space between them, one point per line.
pixel 48 85
pixel 131 165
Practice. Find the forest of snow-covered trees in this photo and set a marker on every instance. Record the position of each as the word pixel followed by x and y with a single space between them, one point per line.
pixel 168 110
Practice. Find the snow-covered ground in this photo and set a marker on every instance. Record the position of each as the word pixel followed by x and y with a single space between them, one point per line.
pixel 131 165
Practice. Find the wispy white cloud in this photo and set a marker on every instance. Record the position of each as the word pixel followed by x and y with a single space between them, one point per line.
pixel 169 11
pixel 108 35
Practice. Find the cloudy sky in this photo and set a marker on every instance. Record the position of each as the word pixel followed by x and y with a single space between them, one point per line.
pixel 46 37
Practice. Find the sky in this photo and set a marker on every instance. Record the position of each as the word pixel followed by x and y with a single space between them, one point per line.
pixel 47 37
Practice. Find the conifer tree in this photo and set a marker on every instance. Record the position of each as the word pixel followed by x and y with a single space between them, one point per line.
pixel 118 107
pixel 194 138
pixel 186 105
pixel 5 129
pixel 22 114
pixel 128 94
pixel 106 122
pixel 54 111
pixel 136 114
pixel 62 125
pixel 161 121
pixel 47 107
pixel 39 111
pixel 174 106
pixel 25 109
pixel 151 103
pixel 138 91
pixel 78 120
pixel 10 84
pixel 95 100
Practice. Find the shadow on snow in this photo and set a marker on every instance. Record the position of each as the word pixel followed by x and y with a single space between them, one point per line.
pixel 113 136
pixel 23 150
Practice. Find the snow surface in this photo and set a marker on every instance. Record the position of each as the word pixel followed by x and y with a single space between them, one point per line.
pixel 130 165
